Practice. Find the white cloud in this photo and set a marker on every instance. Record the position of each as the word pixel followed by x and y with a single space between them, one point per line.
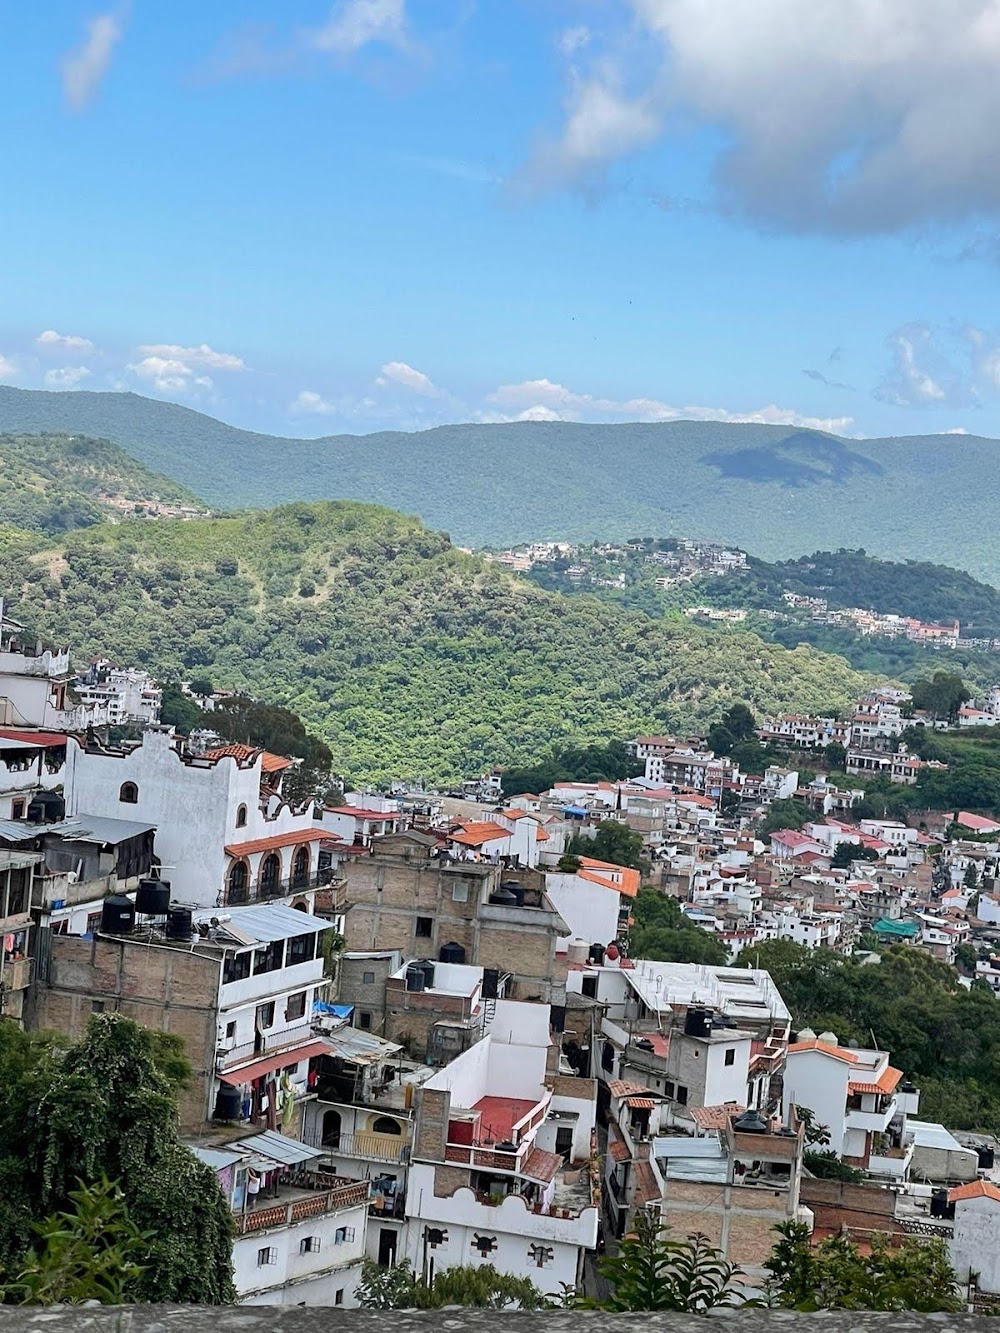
pixel 8 370
pixel 66 377
pixel 543 400
pixel 170 368
pixel 398 372
pixel 70 342
pixel 85 66
pixel 310 403
pixel 921 374
pixel 854 116
pixel 574 39
pixel 354 24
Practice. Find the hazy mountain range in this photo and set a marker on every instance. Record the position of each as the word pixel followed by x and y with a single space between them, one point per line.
pixel 775 490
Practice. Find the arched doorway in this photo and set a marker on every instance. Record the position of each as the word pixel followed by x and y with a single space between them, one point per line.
pixel 300 868
pixel 386 1125
pixel 331 1129
pixel 238 883
pixel 270 875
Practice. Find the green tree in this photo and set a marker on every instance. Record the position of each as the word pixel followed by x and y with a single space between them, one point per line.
pixel 784 814
pixel 846 852
pixel 835 755
pixel 970 879
pixel 740 722
pixel 941 695
pixel 480 1285
pixel 177 710
pixel 652 1271
pixel 201 686
pixel 835 1275
pixel 612 842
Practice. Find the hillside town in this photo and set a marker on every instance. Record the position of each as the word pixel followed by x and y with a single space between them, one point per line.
pixel 419 1030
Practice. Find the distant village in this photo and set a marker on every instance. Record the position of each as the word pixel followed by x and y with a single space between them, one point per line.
pixel 673 562
pixel 417 1025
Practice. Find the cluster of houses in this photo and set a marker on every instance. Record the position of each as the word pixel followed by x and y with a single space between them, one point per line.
pixel 419 1033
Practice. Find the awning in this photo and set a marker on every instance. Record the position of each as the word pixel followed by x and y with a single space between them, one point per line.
pixel 238 1078
pixel 270 1145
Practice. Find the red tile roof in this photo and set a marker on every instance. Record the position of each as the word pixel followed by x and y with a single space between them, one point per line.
pixel 620 1088
pixel 260 1068
pixel 619 1150
pixel 976 1189
pixel 49 739
pixel 541 1165
pixel 838 1052
pixel 280 840
pixel 477 835
pixel 716 1117
pixel 640 1103
pixel 359 813
pixel 886 1082
pixel 599 872
pixel 243 754
pixel 646 1188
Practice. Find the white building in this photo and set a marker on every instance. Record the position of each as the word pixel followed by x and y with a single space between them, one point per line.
pixel 118 695
pixel 33 682
pixel 501 1165
pixel 974 1247
pixel 224 833
pixel 592 900
pixel 856 1096
pixel 301 1239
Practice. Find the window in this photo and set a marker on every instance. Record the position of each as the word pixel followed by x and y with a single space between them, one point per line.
pixel 730 1055
pixel 241 817
pixel 386 1125
pixel 236 967
pixel 540 1255
pixel 368 978
pixel 301 949
pixel 425 927
pixel 435 1237
pixel 17 809
pixel 589 987
pixel 338 1296
pixel 460 891
pixel 93 922
pixel 265 1016
pixel 484 1244
pixel 239 879
pixel 668 1088
pixel 267 1255
pixel 270 958
pixel 230 1031
pixel 608 1057
pixel 309 1245
pixel 128 793
pixel 270 875
pixel 365 1020
pixel 343 1235
pixel 295 1006
pixel 682 1095
pixel 97 1006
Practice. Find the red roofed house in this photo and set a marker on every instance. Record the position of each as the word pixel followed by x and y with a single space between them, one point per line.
pixel 363 816
pixel 856 1095
pixel 495 1138
pixel 787 844
pixel 976 823
pixel 593 900
pixel 974 1246
pixel 225 834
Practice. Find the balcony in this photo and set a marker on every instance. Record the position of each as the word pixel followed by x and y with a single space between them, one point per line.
pixel 367 1146
pixel 873 1120
pixel 16 975
pixel 286 1040
pixel 304 1201
pixel 269 892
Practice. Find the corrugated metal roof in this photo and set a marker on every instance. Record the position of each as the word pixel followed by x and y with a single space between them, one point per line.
pixel 8 743
pixel 270 921
pixel 359 1047
pixel 287 1152
pixel 96 828
pixel 216 1158
pixel 16 830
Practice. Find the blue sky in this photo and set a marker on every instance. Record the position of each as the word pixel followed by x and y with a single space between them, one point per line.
pixel 311 218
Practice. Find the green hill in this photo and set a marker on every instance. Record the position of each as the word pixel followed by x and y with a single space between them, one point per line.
pixel 774 490
pixel 408 656
pixel 53 483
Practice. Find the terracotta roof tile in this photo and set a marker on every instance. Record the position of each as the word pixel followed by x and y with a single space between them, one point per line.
pixel 976 1189
pixel 620 1088
pixel 270 763
pixel 885 1083
pixel 280 840
pixel 715 1117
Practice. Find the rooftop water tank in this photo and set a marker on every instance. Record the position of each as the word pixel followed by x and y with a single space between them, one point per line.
pixel 577 951
pixel 152 897
pixel 117 915
pixel 452 953
pixel 503 897
pixel 415 979
pixel 227 1103
pixel 180 925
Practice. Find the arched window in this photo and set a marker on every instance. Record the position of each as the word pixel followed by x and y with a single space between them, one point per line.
pixel 128 793
pixel 241 817
pixel 238 878
pixel 331 1129
pixel 270 874
pixel 386 1125
pixel 300 868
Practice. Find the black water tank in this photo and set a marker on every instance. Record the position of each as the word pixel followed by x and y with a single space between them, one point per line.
pixel 228 1103
pixel 987 1156
pixel 428 966
pixel 415 979
pixel 644 1044
pixel 503 897
pixel 512 886
pixel 491 983
pixel 597 954
pixel 452 953
pixel 750 1122
pixel 152 897
pixel 46 807
pixel 939 1203
pixel 179 924
pixel 697 1022
pixel 117 915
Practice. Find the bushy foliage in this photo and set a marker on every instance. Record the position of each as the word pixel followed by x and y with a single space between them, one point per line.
pixel 412 659
pixel 105 1110
pixel 654 1271
pixel 612 842
pixel 664 934
pixel 480 1285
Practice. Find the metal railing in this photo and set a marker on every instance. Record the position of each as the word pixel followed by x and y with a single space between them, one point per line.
pixel 266 891
pixel 297 1210
pixel 366 1144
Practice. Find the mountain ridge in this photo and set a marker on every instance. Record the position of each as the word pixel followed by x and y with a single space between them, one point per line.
pixel 775 490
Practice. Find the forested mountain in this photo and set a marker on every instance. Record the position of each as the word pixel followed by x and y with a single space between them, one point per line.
pixel 408 656
pixel 776 491
pixel 53 483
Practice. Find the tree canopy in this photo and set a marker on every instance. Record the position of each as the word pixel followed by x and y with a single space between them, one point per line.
pixel 663 933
